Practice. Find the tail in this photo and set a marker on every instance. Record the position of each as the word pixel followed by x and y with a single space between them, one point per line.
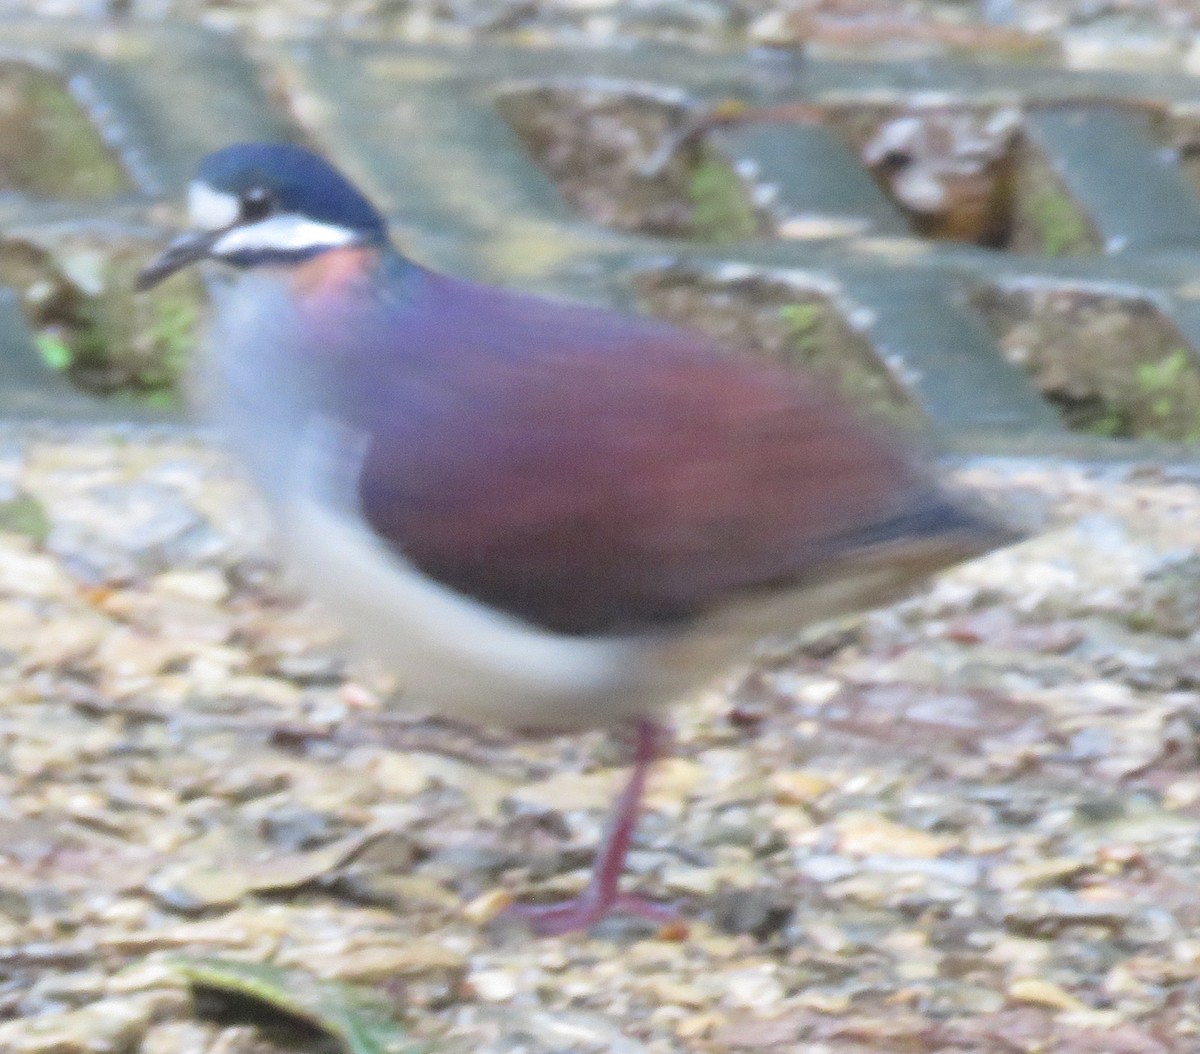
pixel 961 525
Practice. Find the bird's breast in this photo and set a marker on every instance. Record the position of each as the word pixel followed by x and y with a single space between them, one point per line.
pixel 255 383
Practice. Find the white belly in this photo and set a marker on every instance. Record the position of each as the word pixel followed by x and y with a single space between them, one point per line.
pixel 458 658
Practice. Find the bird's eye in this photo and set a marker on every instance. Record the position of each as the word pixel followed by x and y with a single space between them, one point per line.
pixel 257 203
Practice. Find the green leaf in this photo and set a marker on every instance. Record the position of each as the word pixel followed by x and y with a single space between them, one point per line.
pixel 1157 376
pixel 722 209
pixel 55 352
pixel 803 322
pixel 1110 423
pixel 1059 222
pixel 162 399
pixel 801 319
pixel 356 1017
pixel 24 514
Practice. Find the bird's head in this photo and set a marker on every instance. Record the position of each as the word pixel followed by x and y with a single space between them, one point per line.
pixel 267 203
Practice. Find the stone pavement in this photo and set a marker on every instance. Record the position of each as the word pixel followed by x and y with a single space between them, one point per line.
pixel 419 127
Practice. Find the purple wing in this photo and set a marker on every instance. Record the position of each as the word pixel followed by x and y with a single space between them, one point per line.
pixel 591 472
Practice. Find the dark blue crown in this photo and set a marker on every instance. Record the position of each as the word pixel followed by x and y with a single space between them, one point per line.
pixel 300 181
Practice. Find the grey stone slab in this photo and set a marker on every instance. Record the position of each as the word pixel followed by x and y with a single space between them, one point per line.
pixel 945 356
pixel 1183 311
pixel 416 126
pixel 162 95
pixel 975 83
pixel 1130 187
pixel 812 172
pixel 769 76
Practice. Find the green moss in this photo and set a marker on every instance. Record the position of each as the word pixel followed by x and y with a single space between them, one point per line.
pixel 94 328
pixel 1113 366
pixel 48 147
pixel 721 207
pixel 135 344
pixel 1167 387
pixel 781 324
pixel 1046 219
pixel 56 352
pixel 818 339
pixel 803 322
pixel 1164 375
pixel 24 514
pixel 1059 223
pixel 632 162
pixel 1109 422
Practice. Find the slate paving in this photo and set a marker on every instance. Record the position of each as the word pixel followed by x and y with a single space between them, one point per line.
pixel 418 126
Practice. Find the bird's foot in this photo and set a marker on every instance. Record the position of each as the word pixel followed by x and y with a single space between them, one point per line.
pixel 601 897
pixel 585 910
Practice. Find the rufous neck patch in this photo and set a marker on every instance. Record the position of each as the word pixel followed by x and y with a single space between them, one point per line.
pixel 331 271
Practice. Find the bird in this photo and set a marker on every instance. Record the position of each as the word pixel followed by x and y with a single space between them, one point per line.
pixel 545 516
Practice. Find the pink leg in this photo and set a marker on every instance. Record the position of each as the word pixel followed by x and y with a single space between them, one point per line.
pixel 601 897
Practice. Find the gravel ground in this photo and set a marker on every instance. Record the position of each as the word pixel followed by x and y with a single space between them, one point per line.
pixel 1152 35
pixel 964 823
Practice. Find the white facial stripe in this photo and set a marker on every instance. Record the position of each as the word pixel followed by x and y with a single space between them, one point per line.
pixel 210 210
pixel 287 233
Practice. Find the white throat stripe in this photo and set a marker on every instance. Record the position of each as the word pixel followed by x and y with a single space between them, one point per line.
pixel 287 233
pixel 210 210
